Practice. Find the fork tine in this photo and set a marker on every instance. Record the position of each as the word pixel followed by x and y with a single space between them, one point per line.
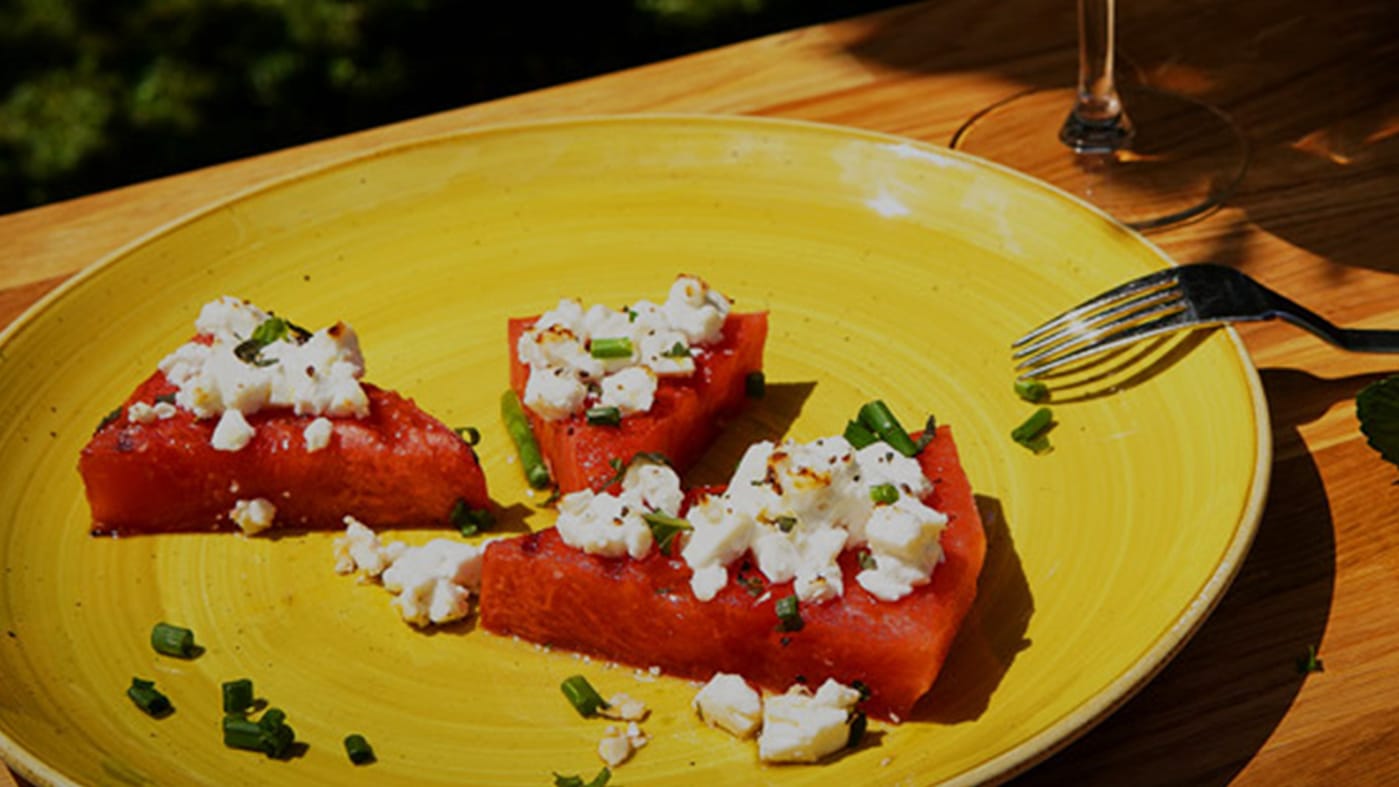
pixel 1115 315
pixel 1137 326
pixel 1147 282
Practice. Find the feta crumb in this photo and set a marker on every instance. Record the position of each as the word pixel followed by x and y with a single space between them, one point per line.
pixel 434 581
pixel 623 707
pixel 317 434
pixel 142 413
pixel 360 550
pixel 313 375
pixel 663 337
pixel 801 727
pixel 729 703
pixel 618 744
pixel 614 525
pixel 253 516
pixel 232 433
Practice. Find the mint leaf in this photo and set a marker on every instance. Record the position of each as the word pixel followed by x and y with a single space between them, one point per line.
pixel 1377 407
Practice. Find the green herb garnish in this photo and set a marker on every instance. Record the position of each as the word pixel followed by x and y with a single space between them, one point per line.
pixel 620 468
pixel 107 419
pixel 789 616
pixel 237 695
pixel 785 523
pixel 358 749
pixel 1032 391
pixel 879 419
pixel 619 347
pixel 1033 433
pixel 166 398
pixel 270 735
pixel 677 350
pixel 930 430
pixel 858 724
pixel 517 425
pixel 173 641
pixel 600 780
pixel 583 696
pixel 603 416
pixel 1377 408
pixel 755 385
pixel 858 436
pixel 147 698
pixel 664 528
pixel 867 561
pixel 884 493
pixel 468 520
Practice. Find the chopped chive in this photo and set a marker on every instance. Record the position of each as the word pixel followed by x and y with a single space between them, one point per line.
pixel 470 434
pixel 884 493
pixel 109 418
pixel 858 436
pixel 867 561
pixel 518 426
pixel 270 735
pixel 620 468
pixel 858 724
pixel 789 616
pixel 237 695
pixel 272 329
pixel 619 347
pixel 240 733
pixel 752 585
pixel 148 698
pixel 677 350
pixel 1033 391
pixel 879 419
pixel 930 430
pixel 1032 433
pixel 859 685
pixel 468 520
pixel 600 780
pixel 604 416
pixel 786 523
pixel 755 385
pixel 166 398
pixel 173 641
pixel 358 749
pixel 664 528
pixel 583 696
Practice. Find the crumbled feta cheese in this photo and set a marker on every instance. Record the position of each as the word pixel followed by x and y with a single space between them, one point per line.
pixel 631 390
pixel 801 727
pixel 360 550
pixel 317 434
pixel 232 433
pixel 619 743
pixel 253 516
pixel 434 581
pixel 613 525
pixel 663 338
pixel 315 375
pixel 624 707
pixel 142 413
pixel 729 703
pixel 797 506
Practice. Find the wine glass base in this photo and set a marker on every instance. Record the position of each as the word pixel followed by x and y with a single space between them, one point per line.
pixel 1184 158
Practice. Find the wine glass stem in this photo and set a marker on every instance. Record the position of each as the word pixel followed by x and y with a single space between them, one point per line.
pixel 1097 123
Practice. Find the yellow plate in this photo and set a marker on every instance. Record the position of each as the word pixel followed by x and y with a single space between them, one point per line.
pixel 891 269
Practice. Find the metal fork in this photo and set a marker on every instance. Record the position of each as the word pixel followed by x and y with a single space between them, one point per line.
pixel 1188 296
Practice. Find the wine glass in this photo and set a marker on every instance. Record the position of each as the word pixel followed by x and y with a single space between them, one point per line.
pixel 1173 159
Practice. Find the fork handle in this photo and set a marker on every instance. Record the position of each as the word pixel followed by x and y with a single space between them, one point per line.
pixel 1354 339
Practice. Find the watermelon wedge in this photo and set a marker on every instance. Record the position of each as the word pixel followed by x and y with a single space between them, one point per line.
pixel 642 612
pixel 684 419
pixel 287 436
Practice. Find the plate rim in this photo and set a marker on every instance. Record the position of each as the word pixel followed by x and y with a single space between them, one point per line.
pixel 1005 766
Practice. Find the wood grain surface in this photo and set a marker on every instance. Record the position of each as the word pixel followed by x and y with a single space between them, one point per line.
pixel 1315 86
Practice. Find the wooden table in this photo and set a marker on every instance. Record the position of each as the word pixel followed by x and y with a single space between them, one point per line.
pixel 1315 86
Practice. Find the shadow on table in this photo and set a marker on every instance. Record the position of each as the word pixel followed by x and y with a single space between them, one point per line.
pixel 993 633
pixel 1212 708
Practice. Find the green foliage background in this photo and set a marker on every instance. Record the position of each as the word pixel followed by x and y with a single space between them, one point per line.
pixel 99 93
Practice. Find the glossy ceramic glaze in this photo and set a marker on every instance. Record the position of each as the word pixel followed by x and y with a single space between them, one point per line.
pixel 890 270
